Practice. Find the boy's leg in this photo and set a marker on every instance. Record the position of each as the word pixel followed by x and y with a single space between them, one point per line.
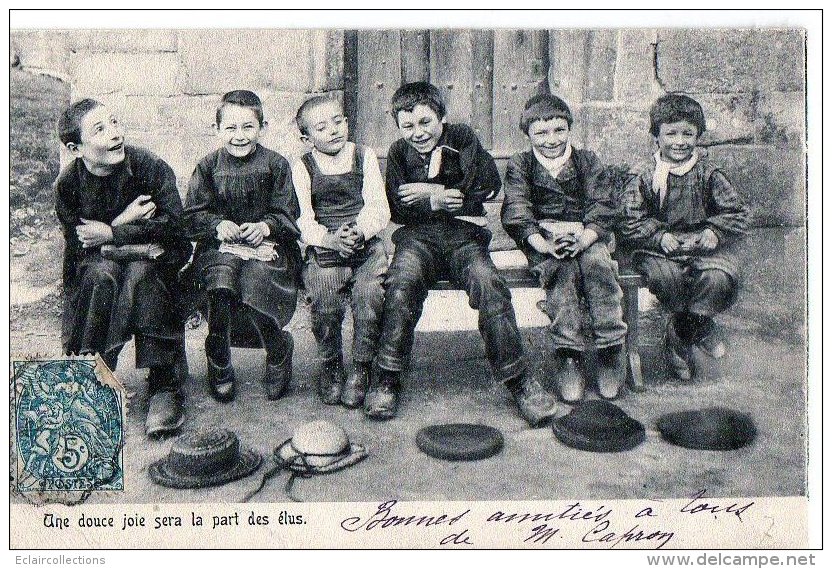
pixel 603 295
pixel 563 306
pixel 668 280
pixel 472 267
pixel 269 291
pixel 325 287
pixel 712 291
pixel 88 312
pixel 411 273
pixel 367 300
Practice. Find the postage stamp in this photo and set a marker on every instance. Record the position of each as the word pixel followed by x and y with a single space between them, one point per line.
pixel 68 425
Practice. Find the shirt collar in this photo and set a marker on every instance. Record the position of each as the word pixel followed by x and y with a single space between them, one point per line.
pixel 125 168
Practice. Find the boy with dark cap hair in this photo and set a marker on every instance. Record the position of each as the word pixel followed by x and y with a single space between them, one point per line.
pixel 684 219
pixel 561 214
pixel 438 176
pixel 114 194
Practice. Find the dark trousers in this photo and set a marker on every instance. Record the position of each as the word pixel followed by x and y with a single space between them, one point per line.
pixel 458 250
pixel 331 289
pixel 593 276
pixel 114 300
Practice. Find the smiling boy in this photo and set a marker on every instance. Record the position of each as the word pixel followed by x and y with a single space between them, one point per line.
pixel 113 193
pixel 555 182
pixel 685 219
pixel 438 176
pixel 242 193
pixel 342 209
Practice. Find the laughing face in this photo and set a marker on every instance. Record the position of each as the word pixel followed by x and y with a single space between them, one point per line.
pixel 102 141
pixel 676 141
pixel 421 128
pixel 239 130
pixel 549 137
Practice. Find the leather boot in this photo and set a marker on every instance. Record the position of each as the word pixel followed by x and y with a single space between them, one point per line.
pixel 612 371
pixel 382 400
pixel 331 381
pixel 355 387
pixel 677 354
pixel 568 377
pixel 279 375
pixel 536 405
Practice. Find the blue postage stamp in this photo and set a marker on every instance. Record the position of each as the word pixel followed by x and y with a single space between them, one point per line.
pixel 68 425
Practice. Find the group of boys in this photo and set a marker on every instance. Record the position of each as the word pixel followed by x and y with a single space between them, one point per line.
pixel 679 214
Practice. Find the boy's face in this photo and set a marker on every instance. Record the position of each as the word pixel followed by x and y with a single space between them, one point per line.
pixel 549 137
pixel 326 127
pixel 676 141
pixel 421 128
pixel 239 130
pixel 102 141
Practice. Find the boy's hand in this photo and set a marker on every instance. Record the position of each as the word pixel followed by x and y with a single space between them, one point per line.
pixel 254 233
pixel 707 240
pixel 669 243
pixel 140 208
pixel 417 191
pixel 93 233
pixel 449 199
pixel 337 241
pixel 228 231
pixel 580 244
pixel 540 244
pixel 353 237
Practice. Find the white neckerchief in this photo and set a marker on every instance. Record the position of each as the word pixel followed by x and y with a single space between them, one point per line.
pixel 663 169
pixel 554 165
pixel 436 160
pixel 331 165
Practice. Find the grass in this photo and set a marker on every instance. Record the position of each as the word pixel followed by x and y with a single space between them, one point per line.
pixel 34 106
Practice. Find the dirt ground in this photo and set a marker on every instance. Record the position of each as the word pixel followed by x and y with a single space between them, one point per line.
pixel 763 374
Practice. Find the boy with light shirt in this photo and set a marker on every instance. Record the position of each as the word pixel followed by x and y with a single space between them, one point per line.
pixel 242 193
pixel 342 209
pixel 117 194
pixel 438 176
pixel 551 184
pixel 685 219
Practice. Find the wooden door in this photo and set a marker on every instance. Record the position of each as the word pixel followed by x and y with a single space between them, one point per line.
pixel 485 77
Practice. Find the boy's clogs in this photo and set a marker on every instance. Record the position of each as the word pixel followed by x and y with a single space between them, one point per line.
pixel 165 414
pixel 355 388
pixel 279 375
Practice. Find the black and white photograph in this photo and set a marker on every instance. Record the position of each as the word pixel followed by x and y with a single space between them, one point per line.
pixel 387 285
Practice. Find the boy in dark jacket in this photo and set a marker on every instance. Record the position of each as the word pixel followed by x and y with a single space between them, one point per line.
pixel 438 176
pixel 684 219
pixel 560 214
pixel 113 194
pixel 242 194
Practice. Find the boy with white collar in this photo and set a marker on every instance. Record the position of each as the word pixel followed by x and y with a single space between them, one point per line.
pixel 685 218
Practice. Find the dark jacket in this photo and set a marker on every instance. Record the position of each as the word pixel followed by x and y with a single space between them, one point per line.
pixel 531 194
pixel 466 166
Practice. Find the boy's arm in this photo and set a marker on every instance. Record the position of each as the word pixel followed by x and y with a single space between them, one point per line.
pixel 517 213
pixel 375 215
pixel 167 223
pixel 728 214
pixel 200 205
pixel 600 213
pixel 417 212
pixel 67 210
pixel 283 203
pixel 482 179
pixel 638 226
pixel 311 232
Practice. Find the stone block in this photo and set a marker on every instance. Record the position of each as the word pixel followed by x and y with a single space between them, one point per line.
pixel 728 117
pixel 601 56
pixel 772 181
pixel 618 134
pixel 781 119
pixel 130 41
pixel 635 77
pixel 217 61
pixel 42 51
pixel 731 61
pixel 158 74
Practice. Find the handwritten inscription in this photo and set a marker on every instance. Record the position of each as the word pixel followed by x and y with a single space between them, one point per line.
pixel 698 506
pixel 383 518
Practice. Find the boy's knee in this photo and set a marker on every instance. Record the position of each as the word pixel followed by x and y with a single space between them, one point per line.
pixel 596 257
pixel 103 271
pixel 716 282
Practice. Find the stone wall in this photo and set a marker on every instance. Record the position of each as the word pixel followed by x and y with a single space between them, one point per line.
pixel 751 84
pixel 166 84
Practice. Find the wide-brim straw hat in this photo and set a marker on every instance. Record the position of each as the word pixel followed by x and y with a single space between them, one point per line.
pixel 714 428
pixel 599 426
pixel 203 459
pixel 319 447
pixel 459 441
